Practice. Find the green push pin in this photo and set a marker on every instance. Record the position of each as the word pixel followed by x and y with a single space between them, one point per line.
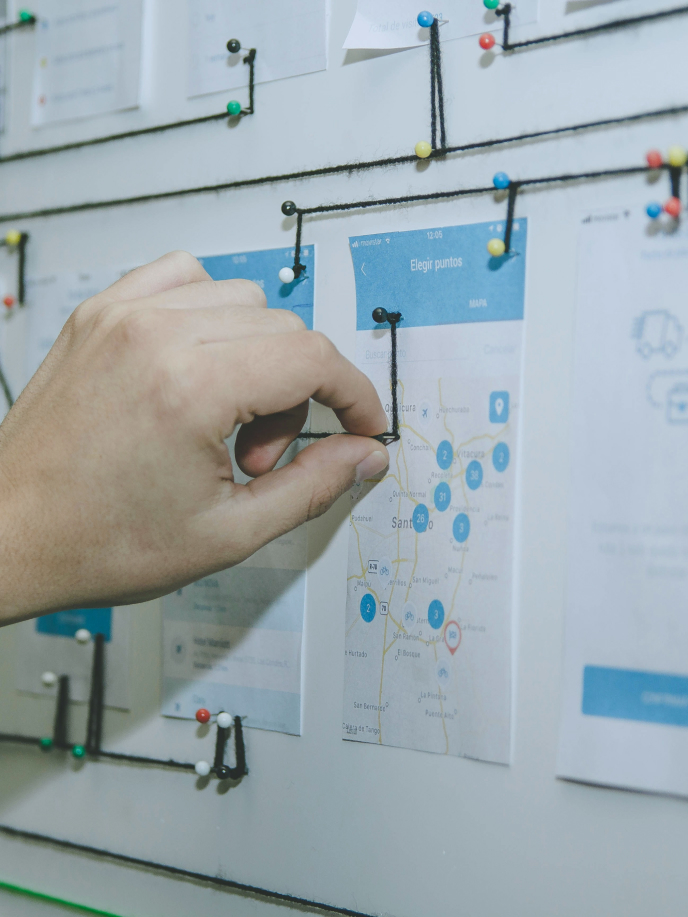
pixel 234 107
pixel 79 751
pixel 46 743
pixel 25 16
pixel 491 4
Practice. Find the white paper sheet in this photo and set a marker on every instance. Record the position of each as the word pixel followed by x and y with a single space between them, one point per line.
pixel 388 24
pixel 289 38
pixel 429 597
pixel 88 58
pixel 625 698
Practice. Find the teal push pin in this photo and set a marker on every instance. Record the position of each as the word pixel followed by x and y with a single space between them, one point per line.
pixel 26 16
pixel 46 743
pixel 78 751
pixel 491 4
pixel 425 19
pixel 234 107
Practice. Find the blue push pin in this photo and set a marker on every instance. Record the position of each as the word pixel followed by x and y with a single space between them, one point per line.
pixel 425 19
pixel 653 210
pixel 501 181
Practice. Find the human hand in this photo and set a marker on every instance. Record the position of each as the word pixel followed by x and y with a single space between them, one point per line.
pixel 116 485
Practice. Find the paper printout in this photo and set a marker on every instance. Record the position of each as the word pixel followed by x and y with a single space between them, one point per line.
pixel 88 58
pixel 394 23
pixel 289 38
pixel 429 597
pixel 625 700
pixel 232 641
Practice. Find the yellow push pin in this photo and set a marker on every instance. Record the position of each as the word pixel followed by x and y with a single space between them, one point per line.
pixel 423 149
pixel 677 156
pixel 496 248
pixel 13 237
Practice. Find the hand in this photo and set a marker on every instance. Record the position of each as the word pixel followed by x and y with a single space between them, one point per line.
pixel 116 485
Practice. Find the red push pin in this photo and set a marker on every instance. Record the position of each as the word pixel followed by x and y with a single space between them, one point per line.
pixel 9 301
pixel 203 715
pixel 487 41
pixel 654 159
pixel 673 207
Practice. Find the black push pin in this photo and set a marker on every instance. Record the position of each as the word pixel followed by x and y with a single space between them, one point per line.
pixel 289 208
pixel 233 45
pixel 223 772
pixel 380 315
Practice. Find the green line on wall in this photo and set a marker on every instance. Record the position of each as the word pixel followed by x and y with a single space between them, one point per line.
pixel 29 893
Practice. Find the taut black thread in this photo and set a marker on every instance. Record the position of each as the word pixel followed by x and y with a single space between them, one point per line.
pixel 60 727
pixel 19 24
pixel 510 208
pixel 178 872
pixel 21 264
pixel 6 390
pixel 250 59
pixel 506 10
pixel 345 168
pixel 298 267
pixel 94 730
pixel 436 90
pixel 675 177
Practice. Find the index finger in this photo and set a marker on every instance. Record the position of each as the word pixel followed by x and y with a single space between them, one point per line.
pixel 281 371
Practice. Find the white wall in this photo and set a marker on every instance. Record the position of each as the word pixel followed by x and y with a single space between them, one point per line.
pixel 374 829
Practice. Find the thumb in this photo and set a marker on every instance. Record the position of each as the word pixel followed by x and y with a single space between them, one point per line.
pixel 279 501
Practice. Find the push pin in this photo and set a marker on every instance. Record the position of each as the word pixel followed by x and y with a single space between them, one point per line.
pixel 26 16
pixel 46 743
pixel 289 208
pixel 49 679
pixel 491 4
pixel 286 275
pixel 677 156
pixel 82 636
pixel 501 181
pixel 487 41
pixel 673 207
pixel 654 159
pixel 202 768
pixel 653 210
pixel 425 19
pixel 203 715
pixel 496 248
pixel 234 108
pixel 9 301
pixel 422 149
pixel 224 720
pixel 223 772
pixel 13 237
pixel 380 315
pixel 78 751
pixel 234 46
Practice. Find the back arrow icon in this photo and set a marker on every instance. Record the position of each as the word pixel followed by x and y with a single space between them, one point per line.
pixel 362 271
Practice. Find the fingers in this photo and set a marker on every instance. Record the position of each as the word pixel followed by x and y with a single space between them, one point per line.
pixel 280 372
pixel 305 488
pixel 209 294
pixel 172 270
pixel 262 443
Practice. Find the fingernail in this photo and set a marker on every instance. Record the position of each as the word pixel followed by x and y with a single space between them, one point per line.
pixel 371 465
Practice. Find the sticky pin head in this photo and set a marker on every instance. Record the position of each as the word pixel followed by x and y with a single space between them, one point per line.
pixel 234 107
pixel 673 207
pixel 49 679
pixel 423 149
pixel 224 720
pixel 501 180
pixel 653 210
pixel 425 19
pixel 222 772
pixel 25 16
pixel 82 636
pixel 13 237
pixel 380 315
pixel 9 301
pixel 289 208
pixel 202 768
pixel 487 41
pixel 203 715
pixel 286 275
pixel 491 4
pixel 496 248
pixel 233 45
pixel 654 159
pixel 78 751
pixel 46 743
pixel 677 156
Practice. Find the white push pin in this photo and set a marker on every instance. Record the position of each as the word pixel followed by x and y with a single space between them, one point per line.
pixel 82 636
pixel 202 768
pixel 49 679
pixel 224 720
pixel 286 275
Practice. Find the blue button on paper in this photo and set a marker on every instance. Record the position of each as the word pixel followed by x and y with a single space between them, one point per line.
pixel 627 694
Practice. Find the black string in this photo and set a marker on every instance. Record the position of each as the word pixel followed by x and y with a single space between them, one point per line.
pixel 333 170
pixel 6 390
pixel 60 727
pixel 250 59
pixel 436 90
pixel 506 10
pixel 675 176
pixel 20 834
pixel 19 24
pixel 298 267
pixel 94 729
pixel 511 206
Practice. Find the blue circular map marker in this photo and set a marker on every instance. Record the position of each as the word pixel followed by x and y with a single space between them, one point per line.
pixel 445 455
pixel 442 496
pixel 421 517
pixel 500 456
pixel 436 614
pixel 474 475
pixel 368 608
pixel 461 528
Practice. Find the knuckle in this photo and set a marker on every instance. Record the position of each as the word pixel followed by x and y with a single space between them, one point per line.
pixel 323 496
pixel 251 293
pixel 184 267
pixel 290 321
pixel 319 347
pixel 141 329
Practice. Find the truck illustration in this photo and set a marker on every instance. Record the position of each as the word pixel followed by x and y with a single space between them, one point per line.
pixel 657 331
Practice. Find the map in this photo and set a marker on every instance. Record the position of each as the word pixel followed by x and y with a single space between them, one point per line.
pixel 429 597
